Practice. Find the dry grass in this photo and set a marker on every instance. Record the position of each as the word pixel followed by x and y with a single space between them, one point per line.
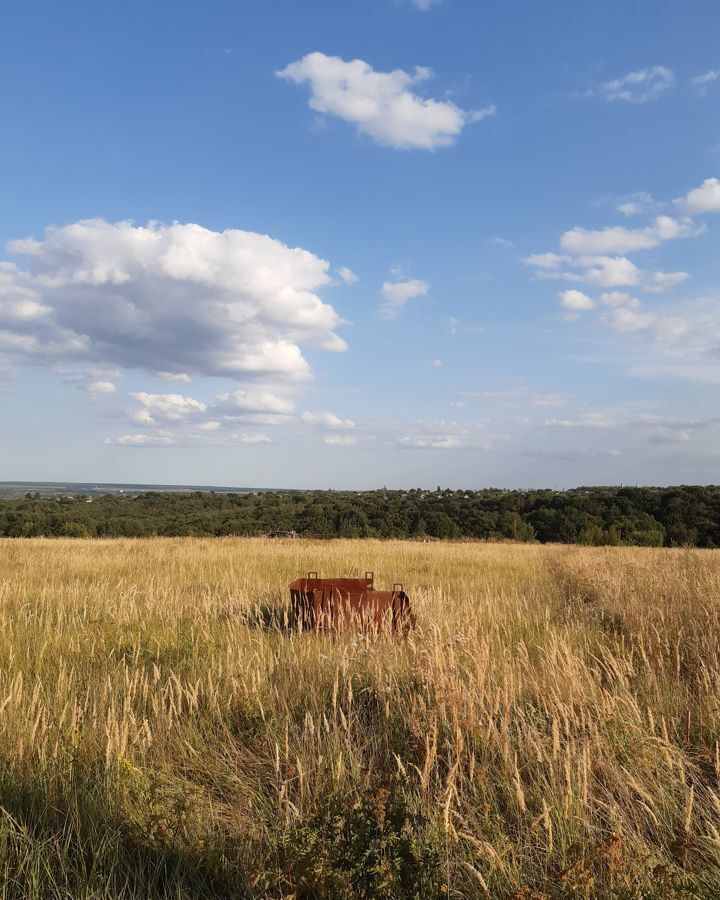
pixel 550 730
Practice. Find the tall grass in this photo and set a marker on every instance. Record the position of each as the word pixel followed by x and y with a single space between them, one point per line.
pixel 550 730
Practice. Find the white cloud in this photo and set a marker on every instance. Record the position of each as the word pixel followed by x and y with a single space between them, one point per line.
pixel 604 271
pixel 619 240
pixel 657 282
pixel 601 419
pixel 436 363
pixel 167 407
pixel 438 435
pixel 347 275
pixel 576 301
pixel 425 4
pixel 702 82
pixel 326 420
pixel 653 428
pixel 546 260
pixel 609 271
pixel 704 199
pixel 635 87
pixel 668 437
pixel 600 256
pixel 630 208
pixel 175 299
pixel 251 439
pixel 382 105
pixel 397 293
pixel 339 440
pixel 174 377
pixel 253 400
pixel 626 318
pixel 101 387
pixel 636 204
pixel 442 442
pixel 680 341
pixel 501 242
pixel 161 439
pixel 619 298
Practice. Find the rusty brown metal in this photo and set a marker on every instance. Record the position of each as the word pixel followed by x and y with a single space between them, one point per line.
pixel 334 604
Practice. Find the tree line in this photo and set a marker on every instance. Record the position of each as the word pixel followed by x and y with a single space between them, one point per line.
pixel 635 516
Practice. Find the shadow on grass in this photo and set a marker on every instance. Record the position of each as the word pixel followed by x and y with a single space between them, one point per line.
pixel 72 847
pixel 269 617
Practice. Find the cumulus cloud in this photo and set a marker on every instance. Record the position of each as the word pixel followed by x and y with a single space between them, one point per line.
pixel 635 87
pixel 167 299
pixel 606 271
pixel 678 339
pixel 326 420
pixel 347 275
pixel 101 387
pixel 602 271
pixel 170 418
pixel 703 199
pixel 339 440
pixel 251 439
pixel 576 301
pixel 254 401
pixel 619 298
pixel 397 293
pixel 619 240
pixel 599 256
pixel 382 105
pixel 167 407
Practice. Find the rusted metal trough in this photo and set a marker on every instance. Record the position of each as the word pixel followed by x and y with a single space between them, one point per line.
pixel 334 604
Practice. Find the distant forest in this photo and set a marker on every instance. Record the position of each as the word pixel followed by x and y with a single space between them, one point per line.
pixel 649 517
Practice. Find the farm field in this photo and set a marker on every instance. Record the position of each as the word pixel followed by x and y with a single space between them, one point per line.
pixel 550 730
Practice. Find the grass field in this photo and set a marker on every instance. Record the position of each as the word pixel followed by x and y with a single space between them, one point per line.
pixel 550 730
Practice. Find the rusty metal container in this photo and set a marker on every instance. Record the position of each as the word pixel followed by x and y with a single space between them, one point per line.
pixel 335 604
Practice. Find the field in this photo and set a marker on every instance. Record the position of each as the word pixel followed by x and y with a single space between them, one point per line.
pixel 549 731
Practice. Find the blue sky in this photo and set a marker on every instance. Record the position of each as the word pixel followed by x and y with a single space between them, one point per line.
pixel 351 244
